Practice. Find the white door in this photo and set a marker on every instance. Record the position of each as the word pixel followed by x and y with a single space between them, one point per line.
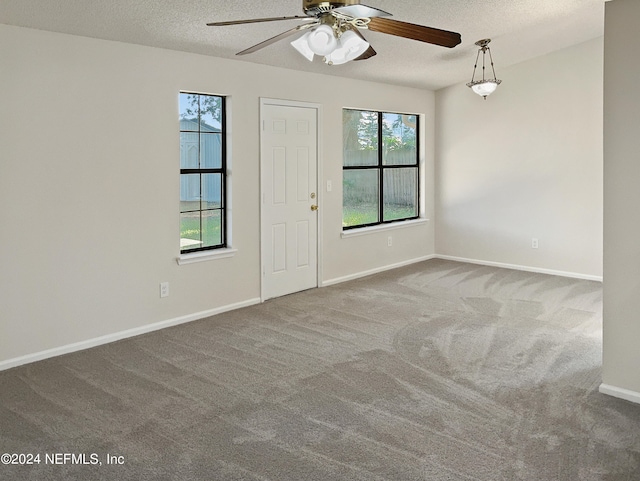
pixel 289 199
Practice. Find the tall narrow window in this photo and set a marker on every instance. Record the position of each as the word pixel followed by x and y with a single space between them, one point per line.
pixel 380 168
pixel 202 172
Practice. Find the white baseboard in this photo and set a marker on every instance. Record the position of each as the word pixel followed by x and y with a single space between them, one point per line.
pixel 98 341
pixel 620 393
pixel 574 275
pixel 377 270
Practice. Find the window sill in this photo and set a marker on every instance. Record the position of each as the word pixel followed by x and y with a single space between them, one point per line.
pixel 382 227
pixel 206 256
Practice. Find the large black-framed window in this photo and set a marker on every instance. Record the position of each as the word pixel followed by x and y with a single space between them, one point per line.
pixel 381 165
pixel 203 178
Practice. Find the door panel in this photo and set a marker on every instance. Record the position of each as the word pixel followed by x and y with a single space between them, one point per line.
pixel 279 172
pixel 302 244
pixel 302 183
pixel 279 243
pixel 289 186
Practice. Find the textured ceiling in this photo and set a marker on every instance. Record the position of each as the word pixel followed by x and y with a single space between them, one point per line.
pixel 519 29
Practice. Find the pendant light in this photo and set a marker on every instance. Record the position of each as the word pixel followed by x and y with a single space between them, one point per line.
pixel 485 86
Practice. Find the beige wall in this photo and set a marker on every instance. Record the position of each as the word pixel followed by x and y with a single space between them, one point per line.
pixel 621 369
pixel 525 163
pixel 89 187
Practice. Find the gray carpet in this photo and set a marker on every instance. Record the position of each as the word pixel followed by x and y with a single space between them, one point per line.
pixel 435 371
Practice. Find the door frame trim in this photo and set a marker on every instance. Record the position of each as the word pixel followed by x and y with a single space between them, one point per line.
pixel 264 101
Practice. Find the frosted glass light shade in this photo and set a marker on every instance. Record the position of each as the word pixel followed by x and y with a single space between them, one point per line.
pixel 485 88
pixel 302 45
pixel 322 40
pixel 350 47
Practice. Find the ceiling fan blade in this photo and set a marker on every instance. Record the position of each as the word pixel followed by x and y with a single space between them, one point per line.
pixel 253 20
pixel 370 52
pixel 272 40
pixel 435 36
pixel 361 11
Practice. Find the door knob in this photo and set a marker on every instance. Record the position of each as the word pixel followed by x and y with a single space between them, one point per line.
pixel 314 207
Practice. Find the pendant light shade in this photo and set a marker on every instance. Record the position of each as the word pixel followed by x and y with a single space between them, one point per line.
pixel 485 88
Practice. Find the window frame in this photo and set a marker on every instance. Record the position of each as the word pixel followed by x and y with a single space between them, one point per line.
pixel 222 170
pixel 380 168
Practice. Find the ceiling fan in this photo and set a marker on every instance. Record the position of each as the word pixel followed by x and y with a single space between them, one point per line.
pixel 334 33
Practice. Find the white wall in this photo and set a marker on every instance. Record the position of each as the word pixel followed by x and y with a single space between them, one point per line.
pixel 89 186
pixel 621 355
pixel 525 163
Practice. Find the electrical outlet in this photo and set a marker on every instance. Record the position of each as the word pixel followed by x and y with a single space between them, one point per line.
pixel 164 289
pixel 534 243
pixel 389 241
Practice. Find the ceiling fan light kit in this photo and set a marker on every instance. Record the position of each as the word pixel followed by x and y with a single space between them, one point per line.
pixel 335 48
pixel 484 87
pixel 334 32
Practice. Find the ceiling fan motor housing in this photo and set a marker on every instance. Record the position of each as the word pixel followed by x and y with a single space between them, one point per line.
pixel 315 7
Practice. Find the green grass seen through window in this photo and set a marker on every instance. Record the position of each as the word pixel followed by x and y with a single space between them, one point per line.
pixel 364 214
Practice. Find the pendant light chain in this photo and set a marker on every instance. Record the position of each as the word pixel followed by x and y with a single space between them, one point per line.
pixel 473 76
pixel 491 58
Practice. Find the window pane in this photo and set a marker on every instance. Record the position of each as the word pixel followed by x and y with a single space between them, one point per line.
pixel 400 193
pixel 211 191
pixel 210 151
pixel 399 139
pixel 360 138
pixel 210 113
pixel 360 197
pixel 189 111
pixel 189 150
pixel 200 229
pixel 190 233
pixel 189 192
pixel 211 228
